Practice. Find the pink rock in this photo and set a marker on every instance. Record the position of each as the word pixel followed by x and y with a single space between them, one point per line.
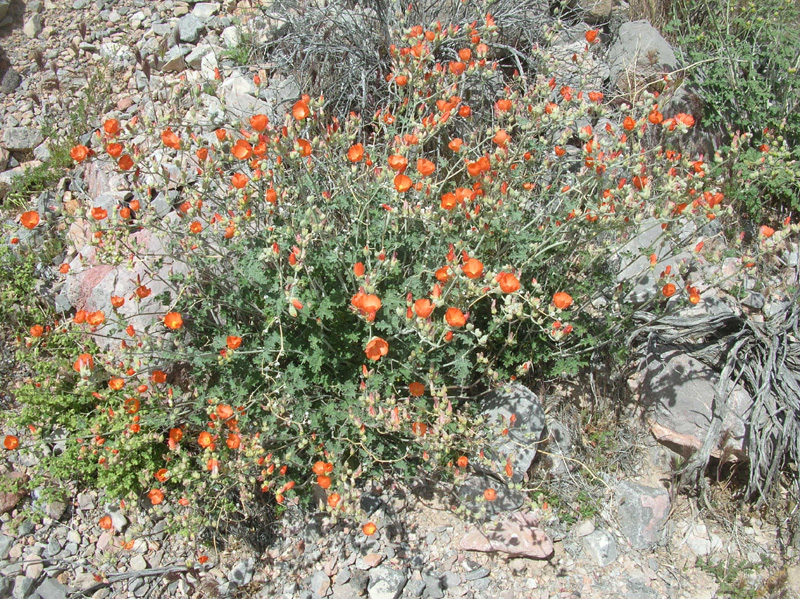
pixel 10 499
pixel 516 536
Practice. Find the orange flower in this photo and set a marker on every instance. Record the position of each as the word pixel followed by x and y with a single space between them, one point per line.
pixel 10 442
pixel 442 274
pixel 205 440
pixel 173 321
pixel 114 150
pixel 397 162
pixel 233 342
pixel 334 499
pixel 473 268
pixel 80 317
pixel 224 411
pixel 159 376
pixel 402 183
pixel 560 151
pixel 767 231
pixel 425 167
pixel 96 318
pixel 36 330
pixel 503 105
pixel 591 35
pixel 117 301
pixel 161 475
pixel 305 147
pixel 259 122
pixel 465 54
pixel 105 523
pixel 125 163
pixel 233 441
pixel 239 180
pixel 300 110
pixel 29 219
pixel 155 496
pixel 324 481
pixel 416 389
pixel 176 434
pixel 508 282
pixel 463 461
pixel 655 117
pixel 419 428
pixel 490 494
pixel 376 348
pixel 355 153
pixel 64 268
pixel 321 467
pixel 142 292
pixel 369 529
pixel 423 307
pixel 99 213
pixel 111 127
pixel 401 80
pixel 455 318
pixel 455 144
pixel 131 405
pixel 358 269
pixel 242 149
pixel 84 360
pixel 116 383
pixel 501 138
pixel 202 154
pixel 79 153
pixel 629 124
pixel 562 300
pixel 448 201
pixel 668 290
pixel 170 139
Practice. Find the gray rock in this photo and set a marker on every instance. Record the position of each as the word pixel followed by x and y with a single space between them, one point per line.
pixel 4 6
pixel 434 589
pixel 639 589
pixel 26 528
pixel 639 52
pixel 52 589
pixel 53 547
pixel 320 583
pixel 23 587
pixel 5 587
pixel 138 563
pixel 596 11
pixel 195 58
pixel 21 139
pixel 415 587
pixel 189 28
pixel 386 583
pixel 677 391
pixel 33 26
pixel 754 300
pixel 6 543
pixel 231 37
pixel 55 509
pixel 559 445
pixel 642 513
pixel 518 409
pixel 601 547
pixel 450 580
pixel 205 10
pixel 174 60
pixel 242 572
pixel 10 82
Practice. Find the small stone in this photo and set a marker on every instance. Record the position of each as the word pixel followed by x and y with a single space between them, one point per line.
pixel 477 573
pixel 6 543
pixel 10 82
pixel 22 587
pixel 415 587
pixel 320 583
pixel 386 583
pixel 601 547
pixel 52 589
pixel 190 28
pixel 138 563
pixel 33 26
pixel 242 572
pixel 53 547
pixel 205 10
pixel 369 561
pixel 583 528
pixel 231 37
pixel 21 139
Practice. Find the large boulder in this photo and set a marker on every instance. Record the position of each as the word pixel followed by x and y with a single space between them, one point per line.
pixel 639 56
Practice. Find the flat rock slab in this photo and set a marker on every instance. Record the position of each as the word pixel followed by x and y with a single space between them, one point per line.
pixel 517 409
pixel 516 536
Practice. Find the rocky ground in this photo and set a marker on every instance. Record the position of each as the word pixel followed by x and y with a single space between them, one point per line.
pixel 627 538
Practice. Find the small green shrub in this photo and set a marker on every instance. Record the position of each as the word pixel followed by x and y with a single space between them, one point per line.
pixel 353 287
pixel 743 59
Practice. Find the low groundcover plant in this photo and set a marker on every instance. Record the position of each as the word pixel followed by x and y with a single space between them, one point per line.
pixel 348 288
